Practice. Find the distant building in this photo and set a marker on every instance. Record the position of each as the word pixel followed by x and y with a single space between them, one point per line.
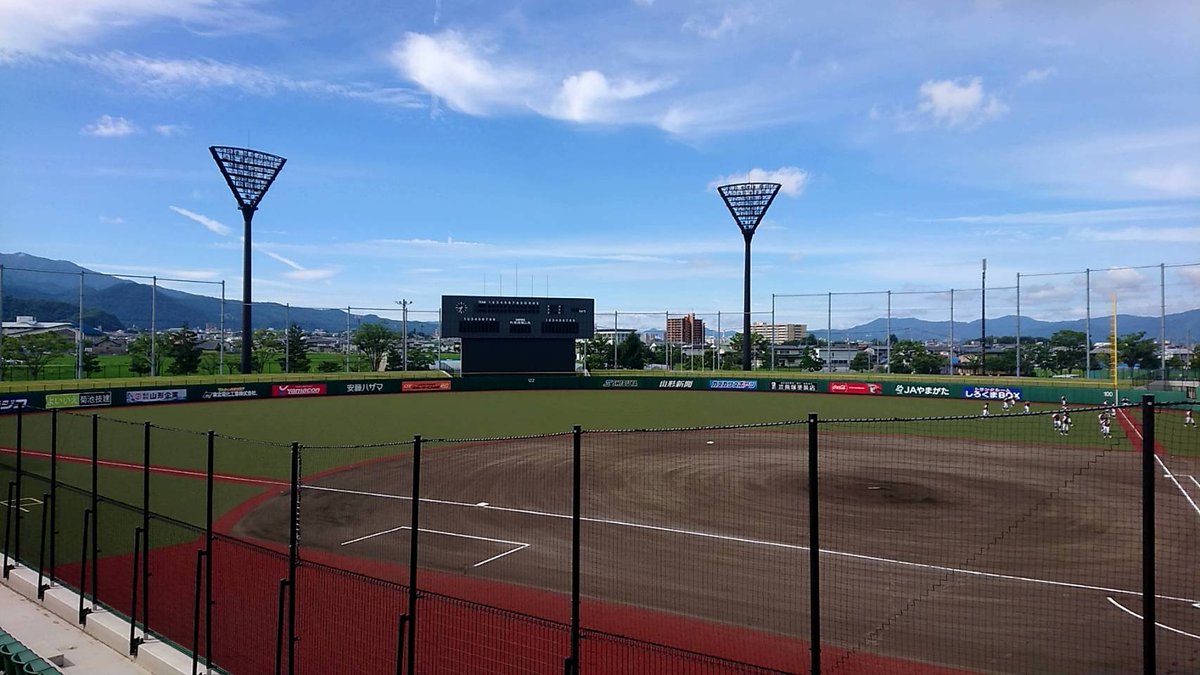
pixel 779 333
pixel 617 335
pixel 686 330
pixel 28 325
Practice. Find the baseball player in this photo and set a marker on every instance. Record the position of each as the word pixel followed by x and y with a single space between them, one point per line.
pixel 1065 427
pixel 1105 426
pixel 1188 420
pixel 985 412
pixel 1057 422
pixel 1026 411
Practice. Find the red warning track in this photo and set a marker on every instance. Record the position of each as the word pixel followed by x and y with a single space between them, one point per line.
pixel 1133 430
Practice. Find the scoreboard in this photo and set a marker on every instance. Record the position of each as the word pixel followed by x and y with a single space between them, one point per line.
pixel 506 334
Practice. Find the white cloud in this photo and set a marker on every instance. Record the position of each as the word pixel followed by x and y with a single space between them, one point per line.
pixel 590 97
pixel 1166 235
pixel 451 68
pixel 1087 217
pixel 714 28
pixel 953 104
pixel 112 220
pixel 791 179
pixel 108 126
pixel 170 129
pixel 180 77
pixel 36 25
pixel 212 225
pixel 168 273
pixel 1176 180
pixel 309 275
pixel 290 263
pixel 1038 74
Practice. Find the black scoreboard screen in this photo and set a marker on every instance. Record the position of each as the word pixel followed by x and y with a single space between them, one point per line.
pixel 486 316
pixel 517 335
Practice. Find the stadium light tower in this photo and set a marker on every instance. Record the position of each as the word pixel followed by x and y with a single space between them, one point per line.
pixel 249 174
pixel 748 203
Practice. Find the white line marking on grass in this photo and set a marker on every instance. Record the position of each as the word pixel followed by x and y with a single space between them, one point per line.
pixel 772 544
pixel 1166 472
pixel 520 545
pixel 1197 482
pixel 1164 626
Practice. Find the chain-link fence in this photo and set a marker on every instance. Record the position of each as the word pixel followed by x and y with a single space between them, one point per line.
pixel 1058 540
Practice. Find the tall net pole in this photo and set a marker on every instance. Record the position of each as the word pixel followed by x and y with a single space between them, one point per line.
pixel 249 174
pixel 748 203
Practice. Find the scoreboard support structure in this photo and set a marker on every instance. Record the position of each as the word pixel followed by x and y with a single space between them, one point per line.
pixel 517 335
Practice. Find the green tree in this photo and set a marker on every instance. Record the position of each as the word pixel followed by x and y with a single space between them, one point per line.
pixel 295 351
pixel 35 351
pixel 1035 356
pixel 263 348
pixel 1194 362
pixel 861 362
pixel 632 352
pixel 183 347
pixel 419 358
pixel 373 341
pixel 1136 350
pixel 910 356
pixel 809 360
pixel 1070 350
pixel 596 353
pixel 328 367
pixel 210 363
pixel 140 354
pixel 90 363
pixel 759 346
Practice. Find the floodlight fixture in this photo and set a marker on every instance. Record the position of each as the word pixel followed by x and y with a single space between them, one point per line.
pixel 249 174
pixel 748 203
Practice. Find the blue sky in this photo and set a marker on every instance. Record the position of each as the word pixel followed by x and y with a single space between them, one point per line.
pixel 441 146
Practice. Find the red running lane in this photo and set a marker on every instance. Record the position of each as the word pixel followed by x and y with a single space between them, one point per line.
pixel 1133 430
pixel 130 466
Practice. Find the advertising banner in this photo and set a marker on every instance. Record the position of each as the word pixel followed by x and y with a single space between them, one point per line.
pixel 740 385
pixel 230 392
pixel 795 386
pixel 425 385
pixel 621 384
pixel 12 403
pixel 155 395
pixel 374 387
pixel 676 384
pixel 901 389
pixel 79 399
pixel 314 389
pixel 869 388
pixel 993 393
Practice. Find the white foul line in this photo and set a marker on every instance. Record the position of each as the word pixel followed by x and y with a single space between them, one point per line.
pixel 1160 625
pixel 760 542
pixel 1167 471
pixel 1197 482
pixel 520 545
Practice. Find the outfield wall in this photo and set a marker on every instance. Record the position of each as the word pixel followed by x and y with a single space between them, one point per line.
pixel 69 398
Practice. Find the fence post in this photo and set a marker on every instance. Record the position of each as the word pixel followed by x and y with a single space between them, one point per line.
pixel 293 558
pixel 83 566
pixel 283 594
pixel 134 640
pixel 20 473
pixel 200 555
pixel 208 549
pixel 576 489
pixel 1149 649
pixel 8 526
pixel 95 510
pixel 814 549
pixel 43 587
pixel 145 528
pixel 412 556
pixel 53 505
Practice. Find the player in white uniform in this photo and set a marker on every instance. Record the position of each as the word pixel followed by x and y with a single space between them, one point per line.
pixel 1026 411
pixel 1057 422
pixel 1065 427
pixel 1105 426
pixel 985 412
pixel 1188 420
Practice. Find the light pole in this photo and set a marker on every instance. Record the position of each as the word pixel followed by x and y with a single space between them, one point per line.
pixel 404 327
pixel 249 174
pixel 748 203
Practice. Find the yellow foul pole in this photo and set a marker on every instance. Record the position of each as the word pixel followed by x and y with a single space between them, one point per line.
pixel 1116 397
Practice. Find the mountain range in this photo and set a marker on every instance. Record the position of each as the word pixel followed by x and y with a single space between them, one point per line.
pixel 49 290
